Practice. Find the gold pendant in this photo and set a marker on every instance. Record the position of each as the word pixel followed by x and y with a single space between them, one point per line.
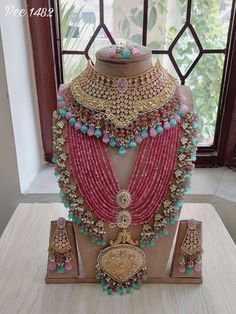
pixel 123 199
pixel 122 265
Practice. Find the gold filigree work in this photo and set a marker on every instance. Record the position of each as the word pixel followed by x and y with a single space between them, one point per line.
pixel 191 243
pixel 123 199
pixel 124 237
pixel 124 219
pixel 60 242
pixel 144 93
pixel 121 262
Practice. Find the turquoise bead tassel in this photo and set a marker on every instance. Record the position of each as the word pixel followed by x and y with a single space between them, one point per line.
pixel 72 121
pixel 189 270
pixel 159 129
pixel 173 122
pixel 54 159
pixel 144 133
pixel 84 128
pixel 122 150
pixel 98 133
pixel 63 113
pixel 132 144
pixel 120 291
pixel 60 269
pixel 112 142
pixel 195 141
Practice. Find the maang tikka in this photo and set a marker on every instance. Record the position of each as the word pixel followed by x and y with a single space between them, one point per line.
pixel 60 250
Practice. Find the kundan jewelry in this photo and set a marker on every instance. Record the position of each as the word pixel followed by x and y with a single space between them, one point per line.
pixel 125 50
pixel 190 250
pixel 122 111
pixel 96 110
pixel 60 251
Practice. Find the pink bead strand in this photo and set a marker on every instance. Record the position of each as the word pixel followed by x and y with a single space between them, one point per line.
pixel 94 174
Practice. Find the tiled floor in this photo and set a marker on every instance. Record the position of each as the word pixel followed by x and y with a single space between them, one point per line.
pixel 209 185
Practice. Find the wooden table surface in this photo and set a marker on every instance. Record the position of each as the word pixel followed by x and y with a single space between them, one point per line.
pixel 23 261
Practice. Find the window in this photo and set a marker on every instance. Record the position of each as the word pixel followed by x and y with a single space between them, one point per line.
pixel 191 39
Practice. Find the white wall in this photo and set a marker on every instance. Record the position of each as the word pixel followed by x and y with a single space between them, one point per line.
pixel 17 52
pixel 9 181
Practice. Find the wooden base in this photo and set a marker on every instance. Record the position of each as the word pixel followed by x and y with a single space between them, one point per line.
pixel 162 280
pixel 78 274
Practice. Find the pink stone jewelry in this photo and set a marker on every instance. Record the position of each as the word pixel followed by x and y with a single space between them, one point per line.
pixel 130 110
pixel 125 50
pixel 190 250
pixel 166 131
pixel 92 170
pixel 60 250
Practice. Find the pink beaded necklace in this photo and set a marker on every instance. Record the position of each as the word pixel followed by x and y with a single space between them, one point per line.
pixel 97 182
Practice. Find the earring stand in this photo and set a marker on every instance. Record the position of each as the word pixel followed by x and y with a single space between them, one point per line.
pixel 85 253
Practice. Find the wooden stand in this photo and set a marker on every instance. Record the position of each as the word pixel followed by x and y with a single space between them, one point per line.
pixel 161 262
pixel 159 257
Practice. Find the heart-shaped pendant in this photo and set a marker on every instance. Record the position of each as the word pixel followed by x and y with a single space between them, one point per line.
pixel 121 266
pixel 121 262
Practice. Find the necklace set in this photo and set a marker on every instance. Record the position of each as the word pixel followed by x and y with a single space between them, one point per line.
pixel 97 113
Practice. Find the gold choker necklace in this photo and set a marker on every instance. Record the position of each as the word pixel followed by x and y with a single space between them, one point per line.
pixel 122 100
pixel 122 111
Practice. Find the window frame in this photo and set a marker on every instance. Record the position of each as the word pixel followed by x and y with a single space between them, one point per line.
pixel 46 42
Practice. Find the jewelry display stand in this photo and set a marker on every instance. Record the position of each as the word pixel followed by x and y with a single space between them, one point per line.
pixel 162 262
pixel 159 265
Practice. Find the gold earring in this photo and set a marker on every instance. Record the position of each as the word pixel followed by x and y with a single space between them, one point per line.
pixel 190 250
pixel 60 250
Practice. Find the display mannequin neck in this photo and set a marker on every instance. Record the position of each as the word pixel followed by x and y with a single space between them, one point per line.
pixel 120 67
